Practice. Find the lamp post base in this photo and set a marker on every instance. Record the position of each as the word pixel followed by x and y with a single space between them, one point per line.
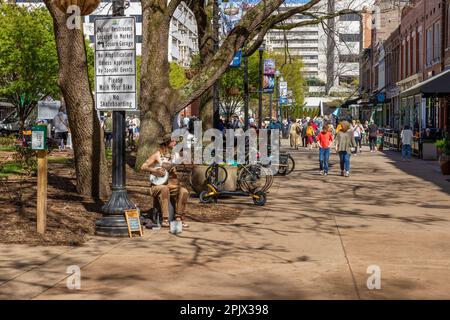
pixel 113 223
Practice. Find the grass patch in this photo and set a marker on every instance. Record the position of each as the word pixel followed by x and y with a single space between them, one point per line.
pixel 60 160
pixel 10 168
pixel 7 148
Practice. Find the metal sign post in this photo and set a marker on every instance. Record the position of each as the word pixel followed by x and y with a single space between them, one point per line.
pixel 38 143
pixel 115 73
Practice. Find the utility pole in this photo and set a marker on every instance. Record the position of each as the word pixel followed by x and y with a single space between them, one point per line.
pixel 113 222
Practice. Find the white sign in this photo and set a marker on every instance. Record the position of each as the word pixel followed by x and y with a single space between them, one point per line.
pixel 283 89
pixel 48 109
pixel 115 63
pixel 38 140
pixel 115 33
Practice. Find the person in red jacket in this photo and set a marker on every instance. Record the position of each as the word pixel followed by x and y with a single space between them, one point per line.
pixel 324 140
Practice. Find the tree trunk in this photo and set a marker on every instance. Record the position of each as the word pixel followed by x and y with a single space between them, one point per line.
pixel 156 96
pixel 90 163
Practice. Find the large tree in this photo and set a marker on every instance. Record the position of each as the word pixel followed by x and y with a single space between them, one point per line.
pixel 159 102
pixel 90 163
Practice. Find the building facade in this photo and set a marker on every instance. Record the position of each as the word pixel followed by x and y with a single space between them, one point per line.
pixel 409 61
pixel 330 54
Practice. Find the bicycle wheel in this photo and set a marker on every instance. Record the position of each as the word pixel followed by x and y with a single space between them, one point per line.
pixel 216 174
pixel 254 178
pixel 204 198
pixel 290 165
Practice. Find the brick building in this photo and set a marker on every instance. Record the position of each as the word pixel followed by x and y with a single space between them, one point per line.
pixel 409 62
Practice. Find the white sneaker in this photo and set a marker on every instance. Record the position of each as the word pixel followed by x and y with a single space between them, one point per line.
pixel 347 174
pixel 325 174
pixel 321 173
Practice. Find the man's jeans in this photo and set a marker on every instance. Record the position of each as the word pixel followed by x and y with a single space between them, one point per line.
pixel 324 157
pixel 344 158
pixel 406 151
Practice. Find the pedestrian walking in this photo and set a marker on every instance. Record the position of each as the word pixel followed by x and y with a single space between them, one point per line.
pixel 310 136
pixel 325 140
pixel 407 137
pixel 61 126
pixel 373 135
pixel 294 135
pixel 357 133
pixel 344 143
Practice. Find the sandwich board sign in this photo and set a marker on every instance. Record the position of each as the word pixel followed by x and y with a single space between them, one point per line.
pixel 115 63
pixel 133 222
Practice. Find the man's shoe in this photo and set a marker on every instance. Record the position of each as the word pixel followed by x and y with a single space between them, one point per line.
pixel 347 174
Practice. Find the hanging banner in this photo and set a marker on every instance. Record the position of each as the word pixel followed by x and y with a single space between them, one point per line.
pixel 230 15
pixel 236 63
pixel 269 76
pixel 283 93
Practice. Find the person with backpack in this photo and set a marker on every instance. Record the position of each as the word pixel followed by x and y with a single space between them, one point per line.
pixel 373 135
pixel 324 140
pixel 61 126
pixel 310 135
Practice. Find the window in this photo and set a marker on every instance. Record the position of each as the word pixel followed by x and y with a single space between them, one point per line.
pixel 349 37
pixel 448 26
pixel 420 51
pixel 437 41
pixel 349 17
pixel 429 46
pixel 414 54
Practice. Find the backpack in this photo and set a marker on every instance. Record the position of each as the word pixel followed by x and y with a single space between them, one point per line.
pixel 310 131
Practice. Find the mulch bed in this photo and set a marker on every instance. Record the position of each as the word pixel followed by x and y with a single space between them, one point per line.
pixel 71 218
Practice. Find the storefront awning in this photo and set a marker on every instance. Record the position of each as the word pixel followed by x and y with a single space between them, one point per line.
pixel 350 102
pixel 437 85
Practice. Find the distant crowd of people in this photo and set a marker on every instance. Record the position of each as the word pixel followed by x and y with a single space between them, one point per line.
pixel 347 138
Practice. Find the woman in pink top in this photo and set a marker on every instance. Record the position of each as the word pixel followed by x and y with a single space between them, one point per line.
pixel 324 139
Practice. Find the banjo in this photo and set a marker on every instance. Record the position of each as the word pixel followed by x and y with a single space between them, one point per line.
pixel 158 181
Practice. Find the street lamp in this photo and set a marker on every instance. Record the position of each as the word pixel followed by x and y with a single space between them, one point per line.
pixel 261 83
pixel 277 93
pixel 113 222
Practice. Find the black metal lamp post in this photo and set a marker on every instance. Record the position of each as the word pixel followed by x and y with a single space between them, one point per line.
pixel 261 84
pixel 216 87
pixel 277 93
pixel 246 93
pixel 113 222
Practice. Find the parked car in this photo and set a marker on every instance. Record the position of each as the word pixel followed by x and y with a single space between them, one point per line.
pixel 10 125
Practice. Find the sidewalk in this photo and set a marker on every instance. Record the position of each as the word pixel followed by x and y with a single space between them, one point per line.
pixel 315 239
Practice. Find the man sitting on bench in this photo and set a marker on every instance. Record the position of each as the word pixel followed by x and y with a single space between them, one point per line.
pixel 162 187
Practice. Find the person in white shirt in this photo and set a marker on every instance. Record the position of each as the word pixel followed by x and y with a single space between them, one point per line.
pixel 407 137
pixel 61 125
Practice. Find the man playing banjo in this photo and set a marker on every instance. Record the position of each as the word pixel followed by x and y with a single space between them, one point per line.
pixel 160 165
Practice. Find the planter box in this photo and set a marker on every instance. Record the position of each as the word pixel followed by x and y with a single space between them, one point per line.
pixel 429 151
pixel 444 163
